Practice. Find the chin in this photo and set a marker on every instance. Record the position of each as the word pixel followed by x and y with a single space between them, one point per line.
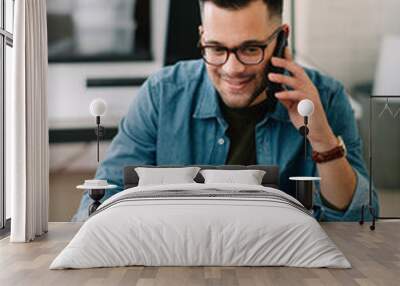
pixel 239 98
pixel 236 100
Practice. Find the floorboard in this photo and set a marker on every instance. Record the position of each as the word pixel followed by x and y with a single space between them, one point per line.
pixel 374 255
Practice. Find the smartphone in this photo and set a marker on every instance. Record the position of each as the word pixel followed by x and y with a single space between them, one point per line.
pixel 282 43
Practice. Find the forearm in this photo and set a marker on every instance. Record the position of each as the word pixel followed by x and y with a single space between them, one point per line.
pixel 338 179
pixel 338 182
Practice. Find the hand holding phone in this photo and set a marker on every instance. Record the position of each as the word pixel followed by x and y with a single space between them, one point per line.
pixel 299 87
pixel 282 43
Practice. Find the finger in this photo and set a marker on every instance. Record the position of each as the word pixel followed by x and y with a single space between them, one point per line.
pixel 292 95
pixel 288 65
pixel 284 79
pixel 288 54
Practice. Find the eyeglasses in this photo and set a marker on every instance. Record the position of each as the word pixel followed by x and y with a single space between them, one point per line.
pixel 246 54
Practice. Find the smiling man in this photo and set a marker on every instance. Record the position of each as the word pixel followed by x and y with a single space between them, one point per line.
pixel 221 110
pixel 241 24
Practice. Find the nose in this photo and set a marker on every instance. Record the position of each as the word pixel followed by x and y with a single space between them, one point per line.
pixel 233 65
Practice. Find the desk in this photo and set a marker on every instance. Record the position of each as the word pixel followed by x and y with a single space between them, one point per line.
pixel 375 256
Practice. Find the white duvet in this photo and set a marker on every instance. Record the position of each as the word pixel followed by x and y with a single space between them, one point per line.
pixel 207 230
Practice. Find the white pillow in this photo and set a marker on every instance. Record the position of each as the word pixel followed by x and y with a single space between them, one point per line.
pixel 165 176
pixel 248 177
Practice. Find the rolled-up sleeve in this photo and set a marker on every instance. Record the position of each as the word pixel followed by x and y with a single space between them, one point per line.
pixel 342 121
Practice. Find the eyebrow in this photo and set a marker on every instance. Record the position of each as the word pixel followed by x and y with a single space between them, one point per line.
pixel 245 43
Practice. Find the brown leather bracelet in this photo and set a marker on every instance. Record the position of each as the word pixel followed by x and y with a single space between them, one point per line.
pixel 335 153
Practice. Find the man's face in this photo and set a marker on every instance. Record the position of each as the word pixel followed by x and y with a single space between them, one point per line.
pixel 238 85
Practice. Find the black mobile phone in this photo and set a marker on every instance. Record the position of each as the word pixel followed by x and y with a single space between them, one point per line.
pixel 282 43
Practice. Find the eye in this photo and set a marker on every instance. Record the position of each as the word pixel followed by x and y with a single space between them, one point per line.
pixel 250 50
pixel 216 49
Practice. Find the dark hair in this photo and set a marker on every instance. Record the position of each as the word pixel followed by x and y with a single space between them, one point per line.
pixel 274 6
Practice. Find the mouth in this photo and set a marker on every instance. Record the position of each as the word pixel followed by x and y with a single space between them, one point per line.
pixel 237 84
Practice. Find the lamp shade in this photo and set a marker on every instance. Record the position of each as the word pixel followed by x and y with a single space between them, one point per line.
pixel 305 107
pixel 387 81
pixel 98 107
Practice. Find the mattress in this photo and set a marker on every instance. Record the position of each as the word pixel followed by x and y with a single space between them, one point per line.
pixel 201 225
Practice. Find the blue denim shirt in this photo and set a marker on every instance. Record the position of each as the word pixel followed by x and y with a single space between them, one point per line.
pixel 176 119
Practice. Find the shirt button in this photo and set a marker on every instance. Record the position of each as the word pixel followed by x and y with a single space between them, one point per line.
pixel 221 141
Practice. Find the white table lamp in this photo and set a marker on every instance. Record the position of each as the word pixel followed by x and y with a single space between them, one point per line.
pixel 98 108
pixel 97 188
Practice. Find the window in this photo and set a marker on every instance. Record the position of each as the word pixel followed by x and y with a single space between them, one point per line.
pixel 6 43
pixel 99 31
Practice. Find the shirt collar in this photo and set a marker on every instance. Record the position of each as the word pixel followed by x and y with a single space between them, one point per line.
pixel 208 105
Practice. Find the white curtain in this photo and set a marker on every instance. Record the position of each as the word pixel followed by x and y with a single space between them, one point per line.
pixel 27 130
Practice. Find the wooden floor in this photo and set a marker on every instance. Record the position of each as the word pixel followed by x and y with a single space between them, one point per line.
pixel 375 257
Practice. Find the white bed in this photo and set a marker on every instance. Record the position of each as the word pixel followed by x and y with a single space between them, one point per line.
pixel 223 225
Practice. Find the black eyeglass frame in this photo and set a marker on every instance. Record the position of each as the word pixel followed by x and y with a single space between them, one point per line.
pixel 234 50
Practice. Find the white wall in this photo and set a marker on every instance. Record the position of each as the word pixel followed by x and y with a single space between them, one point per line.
pixel 69 98
pixel 343 37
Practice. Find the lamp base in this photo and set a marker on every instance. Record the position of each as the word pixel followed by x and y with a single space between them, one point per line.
pixel 304 190
pixel 96 195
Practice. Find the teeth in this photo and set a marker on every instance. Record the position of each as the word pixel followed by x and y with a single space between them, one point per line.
pixel 237 82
